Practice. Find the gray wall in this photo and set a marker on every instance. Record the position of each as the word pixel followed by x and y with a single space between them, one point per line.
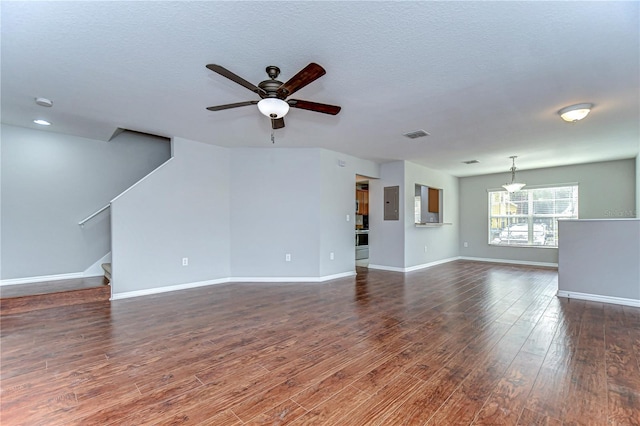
pixel 606 190
pixel 442 241
pixel 275 210
pixel 180 210
pixel 337 194
pixel 400 244
pixel 273 201
pixel 293 200
pixel 386 237
pixel 638 185
pixel 600 258
pixel 52 181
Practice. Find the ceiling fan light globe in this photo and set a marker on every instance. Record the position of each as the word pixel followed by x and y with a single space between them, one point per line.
pixel 273 107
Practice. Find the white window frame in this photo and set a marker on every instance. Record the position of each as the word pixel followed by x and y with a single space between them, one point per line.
pixel 532 233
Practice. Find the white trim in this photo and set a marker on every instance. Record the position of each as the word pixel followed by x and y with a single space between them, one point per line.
pixel 413 268
pixel 385 268
pixel 515 262
pixel 91 271
pixel 291 279
pixel 156 290
pixel 42 278
pixel 430 264
pixel 607 219
pixel 599 298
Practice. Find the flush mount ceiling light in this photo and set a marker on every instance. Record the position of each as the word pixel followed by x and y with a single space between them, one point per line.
pixel 575 113
pixel 273 107
pixel 44 102
pixel 42 122
pixel 513 186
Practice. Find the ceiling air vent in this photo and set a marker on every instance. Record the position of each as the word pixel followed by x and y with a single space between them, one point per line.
pixel 416 134
pixel 471 162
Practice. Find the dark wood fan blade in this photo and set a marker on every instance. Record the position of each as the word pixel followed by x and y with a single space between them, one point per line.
pixel 308 74
pixel 235 78
pixel 277 123
pixel 314 106
pixel 227 106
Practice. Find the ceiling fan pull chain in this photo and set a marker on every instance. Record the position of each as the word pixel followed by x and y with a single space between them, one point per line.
pixel 272 138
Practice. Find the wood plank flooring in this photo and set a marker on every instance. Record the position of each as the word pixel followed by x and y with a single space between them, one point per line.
pixel 463 343
pixel 21 298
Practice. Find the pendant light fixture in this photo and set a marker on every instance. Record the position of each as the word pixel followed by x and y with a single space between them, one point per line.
pixel 513 186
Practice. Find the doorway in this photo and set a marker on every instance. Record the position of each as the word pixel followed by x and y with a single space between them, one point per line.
pixel 362 221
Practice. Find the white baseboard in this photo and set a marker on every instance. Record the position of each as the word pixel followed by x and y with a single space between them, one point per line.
pixel 599 298
pixel 413 268
pixel 514 262
pixel 385 268
pixel 94 270
pixel 291 279
pixel 430 264
pixel 42 278
pixel 156 290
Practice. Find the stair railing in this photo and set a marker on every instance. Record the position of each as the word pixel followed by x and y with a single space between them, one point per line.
pixel 91 216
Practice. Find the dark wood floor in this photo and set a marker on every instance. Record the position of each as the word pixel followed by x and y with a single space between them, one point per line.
pixel 48 287
pixel 457 344
pixel 22 298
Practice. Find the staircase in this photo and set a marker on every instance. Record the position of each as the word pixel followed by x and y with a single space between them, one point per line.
pixel 107 271
pixel 18 299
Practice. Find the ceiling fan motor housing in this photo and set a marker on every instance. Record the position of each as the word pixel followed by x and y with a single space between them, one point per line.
pixel 271 88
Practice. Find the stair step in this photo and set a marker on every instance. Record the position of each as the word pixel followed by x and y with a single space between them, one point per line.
pixel 107 270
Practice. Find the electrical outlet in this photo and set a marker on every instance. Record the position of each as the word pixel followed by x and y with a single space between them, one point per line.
pixel 185 261
pixel 425 249
pixel 287 257
pixel 466 244
pixel 348 218
pixel 331 256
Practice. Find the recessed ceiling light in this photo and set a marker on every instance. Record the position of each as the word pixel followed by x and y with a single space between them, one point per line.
pixel 42 122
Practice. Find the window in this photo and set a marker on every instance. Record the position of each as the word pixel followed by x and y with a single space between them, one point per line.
pixel 530 217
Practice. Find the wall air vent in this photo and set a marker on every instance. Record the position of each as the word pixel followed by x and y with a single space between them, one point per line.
pixel 471 162
pixel 416 134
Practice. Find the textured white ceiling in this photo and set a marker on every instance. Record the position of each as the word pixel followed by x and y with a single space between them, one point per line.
pixel 485 79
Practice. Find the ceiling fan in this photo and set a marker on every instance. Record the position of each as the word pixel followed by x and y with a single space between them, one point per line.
pixel 274 93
